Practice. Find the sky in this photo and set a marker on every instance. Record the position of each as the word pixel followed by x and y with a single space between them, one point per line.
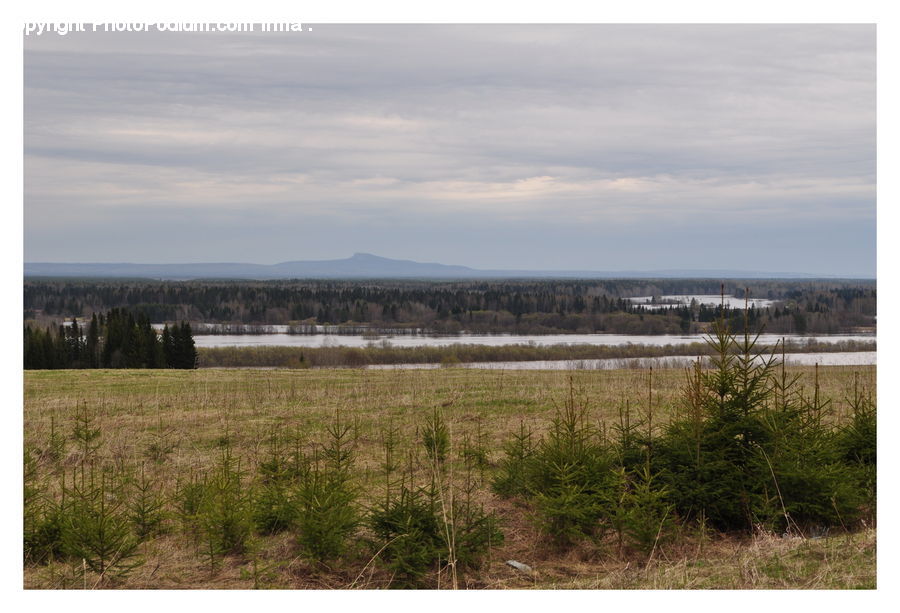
pixel 607 147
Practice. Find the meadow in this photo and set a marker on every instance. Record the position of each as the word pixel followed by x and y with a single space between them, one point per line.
pixel 158 431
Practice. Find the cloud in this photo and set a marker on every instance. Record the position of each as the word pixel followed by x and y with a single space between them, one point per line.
pixel 608 125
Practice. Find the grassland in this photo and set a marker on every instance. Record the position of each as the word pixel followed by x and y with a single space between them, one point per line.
pixel 176 423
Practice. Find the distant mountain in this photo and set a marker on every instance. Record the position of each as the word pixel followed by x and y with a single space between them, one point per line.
pixel 366 266
pixel 361 265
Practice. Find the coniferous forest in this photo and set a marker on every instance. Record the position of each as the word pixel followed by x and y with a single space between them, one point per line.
pixel 447 307
pixel 118 339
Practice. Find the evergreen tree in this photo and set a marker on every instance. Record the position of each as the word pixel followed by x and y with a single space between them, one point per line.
pixel 74 346
pixel 34 349
pixel 92 344
pixel 177 347
pixel 60 347
pixel 189 350
pixel 168 347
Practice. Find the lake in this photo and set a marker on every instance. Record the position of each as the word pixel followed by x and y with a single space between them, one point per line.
pixel 664 302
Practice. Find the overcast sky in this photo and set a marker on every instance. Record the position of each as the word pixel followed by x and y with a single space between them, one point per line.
pixel 527 147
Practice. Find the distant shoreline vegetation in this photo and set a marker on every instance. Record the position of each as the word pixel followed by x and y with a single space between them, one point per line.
pixel 476 307
pixel 449 355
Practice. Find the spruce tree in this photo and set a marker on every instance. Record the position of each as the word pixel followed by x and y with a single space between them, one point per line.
pixel 168 347
pixel 189 351
pixel 34 348
pixel 92 344
pixel 74 345
pixel 177 347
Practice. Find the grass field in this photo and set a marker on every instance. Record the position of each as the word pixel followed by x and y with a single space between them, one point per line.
pixel 176 423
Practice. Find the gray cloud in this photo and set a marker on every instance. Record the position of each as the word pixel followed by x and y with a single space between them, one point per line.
pixel 363 136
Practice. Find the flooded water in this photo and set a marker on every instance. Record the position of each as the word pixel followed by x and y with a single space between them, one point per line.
pixel 663 302
pixel 333 340
pixel 858 358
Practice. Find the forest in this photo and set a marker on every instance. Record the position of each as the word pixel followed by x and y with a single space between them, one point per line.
pixel 448 307
pixel 118 339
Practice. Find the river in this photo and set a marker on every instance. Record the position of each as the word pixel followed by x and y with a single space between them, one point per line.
pixel 496 340
pixel 856 358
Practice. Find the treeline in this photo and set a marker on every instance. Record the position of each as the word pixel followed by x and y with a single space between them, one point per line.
pixel 522 307
pixel 118 339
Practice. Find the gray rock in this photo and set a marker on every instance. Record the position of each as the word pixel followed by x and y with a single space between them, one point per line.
pixel 519 566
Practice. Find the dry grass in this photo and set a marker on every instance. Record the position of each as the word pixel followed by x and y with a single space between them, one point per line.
pixel 763 562
pixel 176 422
